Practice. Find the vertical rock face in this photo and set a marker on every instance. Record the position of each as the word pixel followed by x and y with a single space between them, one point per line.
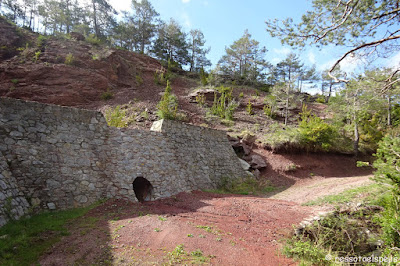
pixel 59 157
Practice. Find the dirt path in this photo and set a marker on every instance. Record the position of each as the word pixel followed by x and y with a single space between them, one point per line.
pixel 320 187
pixel 225 229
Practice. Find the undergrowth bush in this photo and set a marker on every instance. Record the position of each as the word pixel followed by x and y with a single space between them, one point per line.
pixel 92 39
pixel 116 117
pixel 388 171
pixel 168 105
pixel 107 95
pixel 69 59
pixel 224 106
pixel 316 134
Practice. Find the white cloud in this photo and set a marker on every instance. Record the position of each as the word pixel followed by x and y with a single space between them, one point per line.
pixel 394 61
pixel 282 51
pixel 120 5
pixel 185 1
pixel 311 57
pixel 275 60
pixel 186 20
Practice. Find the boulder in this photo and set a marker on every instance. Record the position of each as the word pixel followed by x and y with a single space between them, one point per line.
pixel 257 162
pixel 208 95
pixel 77 36
pixel 244 165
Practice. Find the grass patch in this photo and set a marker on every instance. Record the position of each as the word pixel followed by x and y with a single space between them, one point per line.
pixel 180 257
pixel 23 242
pixel 366 193
pixel 245 186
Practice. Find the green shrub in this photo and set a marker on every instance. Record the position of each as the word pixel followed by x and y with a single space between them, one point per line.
pixel 283 138
pixel 168 105
pixel 36 56
pixel 388 171
pixel 69 59
pixel 107 95
pixel 201 99
pixel 116 117
pixel 249 108
pixel 388 160
pixel 92 38
pixel 203 77
pixel 241 94
pixel 315 133
pixel 306 251
pixel 225 105
pixel 161 78
pixel 41 41
pixel 268 111
pixel 320 99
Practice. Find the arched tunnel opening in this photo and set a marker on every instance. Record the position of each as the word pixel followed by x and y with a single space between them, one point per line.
pixel 143 189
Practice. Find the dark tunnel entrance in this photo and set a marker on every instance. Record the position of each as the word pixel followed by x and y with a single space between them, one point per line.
pixel 143 189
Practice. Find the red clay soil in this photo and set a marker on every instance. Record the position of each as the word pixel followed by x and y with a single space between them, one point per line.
pixel 228 229
pixel 284 170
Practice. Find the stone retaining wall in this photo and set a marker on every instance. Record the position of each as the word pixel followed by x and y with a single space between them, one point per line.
pixel 59 157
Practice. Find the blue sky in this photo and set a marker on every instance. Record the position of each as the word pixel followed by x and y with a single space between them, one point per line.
pixel 224 21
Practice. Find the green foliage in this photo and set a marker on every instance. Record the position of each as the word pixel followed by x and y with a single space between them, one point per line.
pixel 225 105
pixel 305 251
pixel 249 108
pixel 388 171
pixel 93 39
pixel 388 160
pixel 268 111
pixel 41 41
pixel 37 55
pixel 362 164
pixel 389 219
pixel 283 138
pixel 116 117
pixel 396 115
pixel 320 99
pixel 26 239
pixel 315 133
pixel 15 81
pixel 69 59
pixel 201 99
pixel 203 77
pixel 168 105
pixel 241 94
pixel 107 95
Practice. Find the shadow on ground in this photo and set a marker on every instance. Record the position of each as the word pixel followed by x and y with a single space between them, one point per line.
pixel 223 229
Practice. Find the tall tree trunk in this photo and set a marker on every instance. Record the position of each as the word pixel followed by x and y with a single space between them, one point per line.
pixel 96 28
pixel 192 59
pixel 330 93
pixel 389 110
pixel 356 138
pixel 287 104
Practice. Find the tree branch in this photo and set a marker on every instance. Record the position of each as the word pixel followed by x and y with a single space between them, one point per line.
pixel 365 45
